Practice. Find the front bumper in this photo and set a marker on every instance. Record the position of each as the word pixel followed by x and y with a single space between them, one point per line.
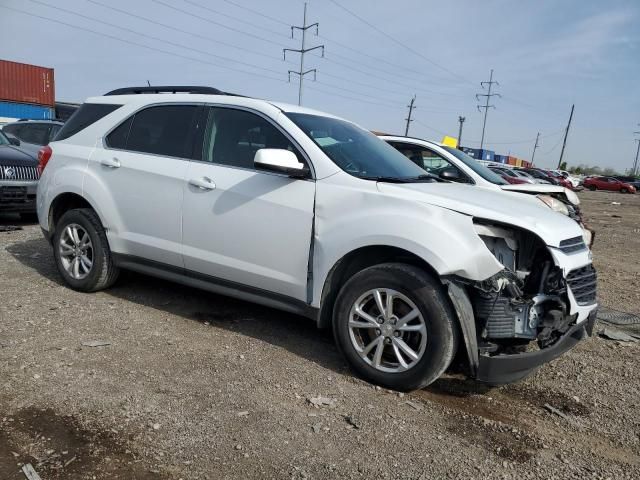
pixel 501 369
pixel 18 196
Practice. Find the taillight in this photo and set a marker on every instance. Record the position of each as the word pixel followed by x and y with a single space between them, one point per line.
pixel 44 154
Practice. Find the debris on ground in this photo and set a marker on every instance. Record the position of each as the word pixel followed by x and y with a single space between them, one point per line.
pixel 616 203
pixel 321 401
pixel 555 411
pixel 316 427
pixel 9 228
pixel 611 334
pixel 413 405
pixel 351 421
pixel 243 413
pixel 96 343
pixel 30 472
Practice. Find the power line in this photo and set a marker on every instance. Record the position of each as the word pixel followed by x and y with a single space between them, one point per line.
pixel 302 51
pixel 486 107
pixel 411 106
pixel 398 42
pixel 263 15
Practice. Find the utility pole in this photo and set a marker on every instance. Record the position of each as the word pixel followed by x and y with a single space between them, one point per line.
pixel 535 147
pixel 566 133
pixel 635 164
pixel 302 50
pixel 408 119
pixel 486 106
pixel 461 120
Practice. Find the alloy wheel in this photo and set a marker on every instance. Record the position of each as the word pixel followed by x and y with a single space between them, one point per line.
pixel 76 251
pixel 387 330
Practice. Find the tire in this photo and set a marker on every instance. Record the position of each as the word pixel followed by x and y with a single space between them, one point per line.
pixel 437 319
pixel 593 188
pixel 102 272
pixel 624 190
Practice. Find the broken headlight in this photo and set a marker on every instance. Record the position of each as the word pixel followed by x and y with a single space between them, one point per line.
pixel 554 204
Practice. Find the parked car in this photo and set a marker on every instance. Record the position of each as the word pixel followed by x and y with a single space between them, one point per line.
pixel 510 178
pixel 457 166
pixel 33 134
pixel 575 181
pixel 608 183
pixel 18 178
pixel 511 172
pixel 635 181
pixel 565 182
pixel 303 211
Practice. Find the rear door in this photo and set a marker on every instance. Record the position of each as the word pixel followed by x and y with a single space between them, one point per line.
pixel 242 225
pixel 142 170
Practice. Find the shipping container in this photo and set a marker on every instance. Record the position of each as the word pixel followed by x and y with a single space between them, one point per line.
pixel 23 83
pixel 512 160
pixel 500 158
pixel 518 162
pixel 17 111
pixel 485 155
pixel 526 164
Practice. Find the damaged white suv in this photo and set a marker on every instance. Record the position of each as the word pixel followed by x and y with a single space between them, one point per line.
pixel 305 212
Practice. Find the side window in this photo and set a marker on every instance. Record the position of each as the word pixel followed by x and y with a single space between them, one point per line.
pixel 119 135
pixel 164 130
pixel 428 160
pixel 234 136
pixel 12 130
pixel 87 114
pixel 36 133
pixel 55 128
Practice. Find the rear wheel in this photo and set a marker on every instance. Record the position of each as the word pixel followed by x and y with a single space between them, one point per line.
pixel 624 190
pixel 81 251
pixel 395 327
pixel 593 188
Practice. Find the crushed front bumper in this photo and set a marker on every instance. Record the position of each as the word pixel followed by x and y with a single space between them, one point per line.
pixel 501 369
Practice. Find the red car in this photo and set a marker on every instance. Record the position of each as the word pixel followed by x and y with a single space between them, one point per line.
pixel 608 183
pixel 511 178
pixel 559 178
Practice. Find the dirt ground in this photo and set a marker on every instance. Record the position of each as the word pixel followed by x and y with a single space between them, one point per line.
pixel 195 386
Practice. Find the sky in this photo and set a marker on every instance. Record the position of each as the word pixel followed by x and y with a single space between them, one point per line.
pixel 545 54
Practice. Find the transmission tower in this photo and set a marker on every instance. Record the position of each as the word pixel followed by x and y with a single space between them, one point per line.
pixel 411 106
pixel 302 50
pixel 486 106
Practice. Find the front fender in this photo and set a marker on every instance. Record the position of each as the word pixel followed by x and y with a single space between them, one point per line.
pixel 348 219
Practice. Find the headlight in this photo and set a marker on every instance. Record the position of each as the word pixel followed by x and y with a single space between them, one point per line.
pixel 572 196
pixel 554 204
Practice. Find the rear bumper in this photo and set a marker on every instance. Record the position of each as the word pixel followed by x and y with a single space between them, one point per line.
pixel 18 196
pixel 503 369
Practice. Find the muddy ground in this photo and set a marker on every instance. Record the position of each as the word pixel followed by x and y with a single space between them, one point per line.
pixel 194 386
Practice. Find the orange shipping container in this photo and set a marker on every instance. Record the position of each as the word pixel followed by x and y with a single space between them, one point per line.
pixel 512 160
pixel 518 162
pixel 23 83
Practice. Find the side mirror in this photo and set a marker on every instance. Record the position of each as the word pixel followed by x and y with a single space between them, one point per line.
pixel 451 174
pixel 13 140
pixel 279 160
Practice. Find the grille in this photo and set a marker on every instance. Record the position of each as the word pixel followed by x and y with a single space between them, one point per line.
pixel 18 172
pixel 10 195
pixel 571 245
pixel 583 282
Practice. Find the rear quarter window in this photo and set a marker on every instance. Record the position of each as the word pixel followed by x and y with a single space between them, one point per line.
pixel 87 114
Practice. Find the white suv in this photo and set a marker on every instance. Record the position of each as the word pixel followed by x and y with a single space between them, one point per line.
pixel 305 212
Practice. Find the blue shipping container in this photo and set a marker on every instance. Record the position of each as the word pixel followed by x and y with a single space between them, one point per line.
pixel 485 155
pixel 500 158
pixel 25 110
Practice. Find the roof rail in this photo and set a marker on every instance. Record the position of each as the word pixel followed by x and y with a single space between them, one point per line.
pixel 166 89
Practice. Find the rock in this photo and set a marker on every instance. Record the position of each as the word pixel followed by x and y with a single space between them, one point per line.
pixel 555 411
pixel 321 401
pixel 243 413
pixel 156 426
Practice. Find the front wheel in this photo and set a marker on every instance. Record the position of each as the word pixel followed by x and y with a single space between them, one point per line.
pixel 624 190
pixel 395 327
pixel 593 188
pixel 81 251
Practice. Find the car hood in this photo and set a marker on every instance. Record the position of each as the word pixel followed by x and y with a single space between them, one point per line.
pixel 544 189
pixel 522 211
pixel 13 156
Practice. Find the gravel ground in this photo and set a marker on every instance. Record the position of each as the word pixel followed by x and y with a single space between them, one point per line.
pixel 194 386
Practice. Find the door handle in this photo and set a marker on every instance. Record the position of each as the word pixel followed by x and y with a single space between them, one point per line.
pixel 110 162
pixel 204 183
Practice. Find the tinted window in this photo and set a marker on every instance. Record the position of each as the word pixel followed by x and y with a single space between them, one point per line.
pixel 3 139
pixel 164 130
pixel 234 136
pixel 86 115
pixel 36 133
pixel 12 129
pixel 356 151
pixel 476 166
pixel 118 136
pixel 428 160
pixel 55 128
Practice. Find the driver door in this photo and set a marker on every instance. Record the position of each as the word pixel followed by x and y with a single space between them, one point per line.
pixel 243 225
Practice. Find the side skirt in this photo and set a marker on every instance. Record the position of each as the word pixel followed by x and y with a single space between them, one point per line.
pixel 215 285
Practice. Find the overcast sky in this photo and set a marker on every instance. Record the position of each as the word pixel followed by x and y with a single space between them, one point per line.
pixel 545 54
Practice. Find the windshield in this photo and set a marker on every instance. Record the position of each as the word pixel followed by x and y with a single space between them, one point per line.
pixel 473 164
pixel 356 151
pixel 3 139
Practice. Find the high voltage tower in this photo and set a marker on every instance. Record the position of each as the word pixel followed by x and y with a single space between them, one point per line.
pixel 486 106
pixel 302 50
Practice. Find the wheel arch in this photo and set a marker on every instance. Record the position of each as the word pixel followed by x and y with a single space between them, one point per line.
pixel 62 203
pixel 356 261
